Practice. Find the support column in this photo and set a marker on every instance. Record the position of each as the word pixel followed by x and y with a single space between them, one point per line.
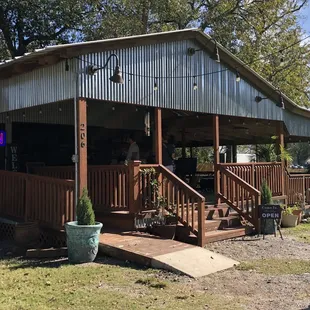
pixel 183 144
pixel 82 145
pixel 234 153
pixel 9 140
pixel 216 147
pixel 158 136
pixel 279 144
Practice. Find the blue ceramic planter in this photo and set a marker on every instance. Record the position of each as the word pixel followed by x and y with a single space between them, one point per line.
pixel 82 242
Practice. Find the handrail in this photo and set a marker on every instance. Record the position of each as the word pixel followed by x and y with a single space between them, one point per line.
pixel 246 185
pixel 175 178
pixel 188 204
pixel 250 164
pixel 240 196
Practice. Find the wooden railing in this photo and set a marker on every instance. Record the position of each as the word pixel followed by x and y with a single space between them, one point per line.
pixel 188 204
pixel 255 173
pixel 297 188
pixel 107 185
pixel 239 195
pixel 48 201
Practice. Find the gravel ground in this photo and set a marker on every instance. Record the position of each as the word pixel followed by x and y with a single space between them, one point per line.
pixel 248 288
pixel 256 290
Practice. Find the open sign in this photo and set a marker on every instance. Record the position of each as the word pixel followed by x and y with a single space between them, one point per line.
pixel 272 212
pixel 2 138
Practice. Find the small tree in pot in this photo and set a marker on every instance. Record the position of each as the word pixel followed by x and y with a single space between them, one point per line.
pixel 266 197
pixel 83 234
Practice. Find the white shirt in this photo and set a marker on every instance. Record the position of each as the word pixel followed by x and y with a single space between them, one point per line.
pixel 133 152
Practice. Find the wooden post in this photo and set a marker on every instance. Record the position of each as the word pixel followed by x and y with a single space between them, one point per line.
pixel 183 144
pixel 234 153
pixel 134 188
pixel 279 144
pixel 9 140
pixel 216 147
pixel 201 223
pixel 158 137
pixel 82 145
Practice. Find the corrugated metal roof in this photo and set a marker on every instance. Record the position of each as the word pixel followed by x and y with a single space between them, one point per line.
pixel 75 49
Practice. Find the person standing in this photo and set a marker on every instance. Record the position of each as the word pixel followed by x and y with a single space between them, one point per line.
pixel 168 154
pixel 133 151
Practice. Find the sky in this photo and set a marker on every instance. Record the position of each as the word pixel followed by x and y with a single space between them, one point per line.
pixel 304 19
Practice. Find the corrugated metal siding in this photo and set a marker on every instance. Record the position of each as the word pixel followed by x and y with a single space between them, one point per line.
pixel 61 113
pixel 49 84
pixel 217 93
pixel 297 125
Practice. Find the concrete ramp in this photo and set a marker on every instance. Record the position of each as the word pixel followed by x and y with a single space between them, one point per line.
pixel 194 262
pixel 164 254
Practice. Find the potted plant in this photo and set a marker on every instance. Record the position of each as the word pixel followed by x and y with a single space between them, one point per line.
pixel 269 225
pixel 83 234
pixel 164 221
pixel 288 218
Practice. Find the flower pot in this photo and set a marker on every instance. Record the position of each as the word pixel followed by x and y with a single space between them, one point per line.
pixel 299 214
pixel 289 220
pixel 164 231
pixel 82 242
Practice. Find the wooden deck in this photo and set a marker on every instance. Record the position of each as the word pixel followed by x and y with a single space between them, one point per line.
pixel 137 247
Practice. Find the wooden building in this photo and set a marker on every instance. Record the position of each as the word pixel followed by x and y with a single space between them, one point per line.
pixel 67 121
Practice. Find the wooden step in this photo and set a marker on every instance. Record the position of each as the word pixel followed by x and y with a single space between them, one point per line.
pixel 224 234
pixel 228 221
pixel 212 225
pixel 216 212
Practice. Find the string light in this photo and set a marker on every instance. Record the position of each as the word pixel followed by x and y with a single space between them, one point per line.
pixel 67 65
pixel 155 85
pixel 195 86
pixel 7 116
pixel 40 112
pixel 238 77
pixel 24 114
pixel 60 109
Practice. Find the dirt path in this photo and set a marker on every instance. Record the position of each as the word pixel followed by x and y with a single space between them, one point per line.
pixel 262 290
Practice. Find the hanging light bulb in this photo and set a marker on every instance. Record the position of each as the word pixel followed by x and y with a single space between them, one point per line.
pixel 60 109
pixel 40 111
pixel 7 115
pixel 67 65
pixel 24 114
pixel 238 77
pixel 195 86
pixel 280 103
pixel 155 85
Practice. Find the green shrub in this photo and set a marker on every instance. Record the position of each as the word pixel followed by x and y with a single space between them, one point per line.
pixel 84 211
pixel 266 194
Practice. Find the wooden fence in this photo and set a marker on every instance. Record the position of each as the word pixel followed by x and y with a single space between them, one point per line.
pixel 48 201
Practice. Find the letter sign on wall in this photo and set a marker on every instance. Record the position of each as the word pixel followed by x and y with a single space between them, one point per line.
pixel 2 138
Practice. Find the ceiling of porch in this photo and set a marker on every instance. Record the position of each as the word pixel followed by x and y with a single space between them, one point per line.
pixel 198 129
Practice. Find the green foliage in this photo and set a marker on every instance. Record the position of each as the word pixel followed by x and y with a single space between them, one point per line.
pixel 287 210
pixel 85 213
pixel 266 195
pixel 249 29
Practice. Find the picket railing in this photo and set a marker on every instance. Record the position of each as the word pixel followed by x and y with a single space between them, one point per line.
pixel 255 173
pixel 239 195
pixel 107 185
pixel 48 201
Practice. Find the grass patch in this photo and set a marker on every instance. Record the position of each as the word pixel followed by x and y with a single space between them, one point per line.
pixel 25 285
pixel 300 232
pixel 276 266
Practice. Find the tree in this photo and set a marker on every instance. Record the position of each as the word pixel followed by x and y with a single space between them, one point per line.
pixel 25 25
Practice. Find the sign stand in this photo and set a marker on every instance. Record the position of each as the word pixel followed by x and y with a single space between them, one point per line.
pixel 278 227
pixel 270 212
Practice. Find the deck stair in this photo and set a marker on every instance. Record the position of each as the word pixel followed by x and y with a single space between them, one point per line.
pixel 220 224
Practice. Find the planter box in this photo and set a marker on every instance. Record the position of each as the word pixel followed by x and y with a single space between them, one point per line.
pixel 299 214
pixel 289 220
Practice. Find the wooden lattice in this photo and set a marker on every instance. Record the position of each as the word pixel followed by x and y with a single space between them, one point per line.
pixel 7 231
